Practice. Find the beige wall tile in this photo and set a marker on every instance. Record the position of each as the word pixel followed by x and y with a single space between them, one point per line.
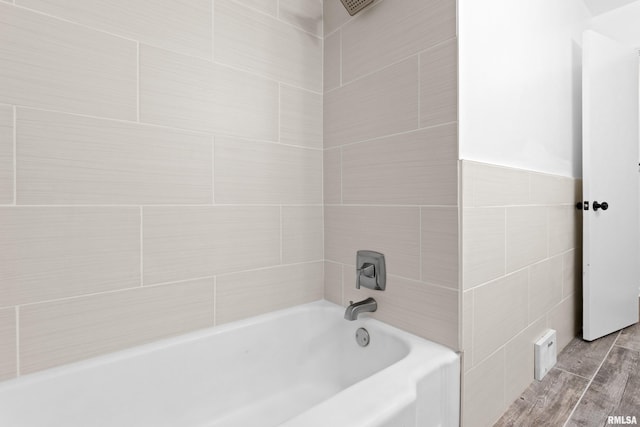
pixel 566 319
pixel 393 231
pixel 180 26
pixel 66 159
pixel 572 272
pixel 242 295
pixel 267 6
pixel 382 103
pixel 302 234
pixel 6 154
pixel 563 229
pixel 483 245
pixel 413 168
pixel 60 332
pixel 300 117
pixel 439 240
pixel 263 172
pixel 499 313
pixel 334 16
pixel 56 252
pixel 484 398
pixel 8 349
pixel 332 176
pixel 332 68
pixel 527 232
pixel 268 47
pixel 188 242
pixel 58 65
pixel 427 311
pixel 552 189
pixel 391 31
pixel 306 15
pixel 467 329
pixel 489 185
pixel 439 84
pixel 188 92
pixel 333 282
pixel 545 286
pixel 519 359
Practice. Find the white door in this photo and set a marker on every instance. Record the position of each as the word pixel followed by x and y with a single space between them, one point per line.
pixel 610 163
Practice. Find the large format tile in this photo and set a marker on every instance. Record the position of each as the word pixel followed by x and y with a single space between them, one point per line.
pixel 439 84
pixel 483 245
pixel 332 68
pixel 563 229
pixel 526 239
pixel 6 154
pixel 187 92
pixel 332 176
pixel 181 26
pixel 58 65
pixel 333 282
pixel 490 185
pixel 483 394
pixel 8 349
pixel 242 295
pixel 306 15
pixel 56 252
pixel 66 159
pixel 263 172
pixel 300 117
pixel 545 286
pixel 546 403
pixel 439 243
pixel 553 190
pixel 269 7
pixel 566 319
pixel 380 104
pixel 467 329
pixel 65 331
pixel 189 242
pixel 428 311
pixel 572 272
pixel 334 15
pixel 615 390
pixel 302 234
pixel 267 46
pixel 394 231
pixel 499 313
pixel 583 358
pixel 519 356
pixel 390 31
pixel 417 168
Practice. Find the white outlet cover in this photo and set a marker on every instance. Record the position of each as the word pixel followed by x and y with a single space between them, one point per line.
pixel 545 356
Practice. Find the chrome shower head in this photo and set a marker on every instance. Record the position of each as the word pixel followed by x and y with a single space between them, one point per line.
pixel 355 6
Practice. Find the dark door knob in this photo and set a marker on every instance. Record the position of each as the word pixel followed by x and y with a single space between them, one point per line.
pixel 604 206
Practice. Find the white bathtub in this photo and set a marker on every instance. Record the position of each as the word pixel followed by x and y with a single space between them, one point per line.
pixel 299 367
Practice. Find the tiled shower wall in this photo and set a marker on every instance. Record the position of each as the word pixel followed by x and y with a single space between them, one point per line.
pixel 160 170
pixel 521 275
pixel 390 159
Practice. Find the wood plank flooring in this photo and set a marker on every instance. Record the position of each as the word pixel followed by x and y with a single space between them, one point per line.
pixel 590 382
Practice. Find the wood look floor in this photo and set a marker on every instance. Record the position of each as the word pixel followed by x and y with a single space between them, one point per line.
pixel 591 381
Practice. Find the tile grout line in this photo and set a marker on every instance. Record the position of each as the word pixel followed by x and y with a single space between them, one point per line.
pixel 590 382
pixel 15 155
pixel 138 82
pixel 213 170
pixel 17 340
pixel 281 235
pixel 573 373
pixel 141 247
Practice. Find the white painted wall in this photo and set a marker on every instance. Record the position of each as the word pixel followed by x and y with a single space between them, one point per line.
pixel 520 83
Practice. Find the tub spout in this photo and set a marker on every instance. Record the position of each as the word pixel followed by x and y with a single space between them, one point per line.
pixel 368 305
